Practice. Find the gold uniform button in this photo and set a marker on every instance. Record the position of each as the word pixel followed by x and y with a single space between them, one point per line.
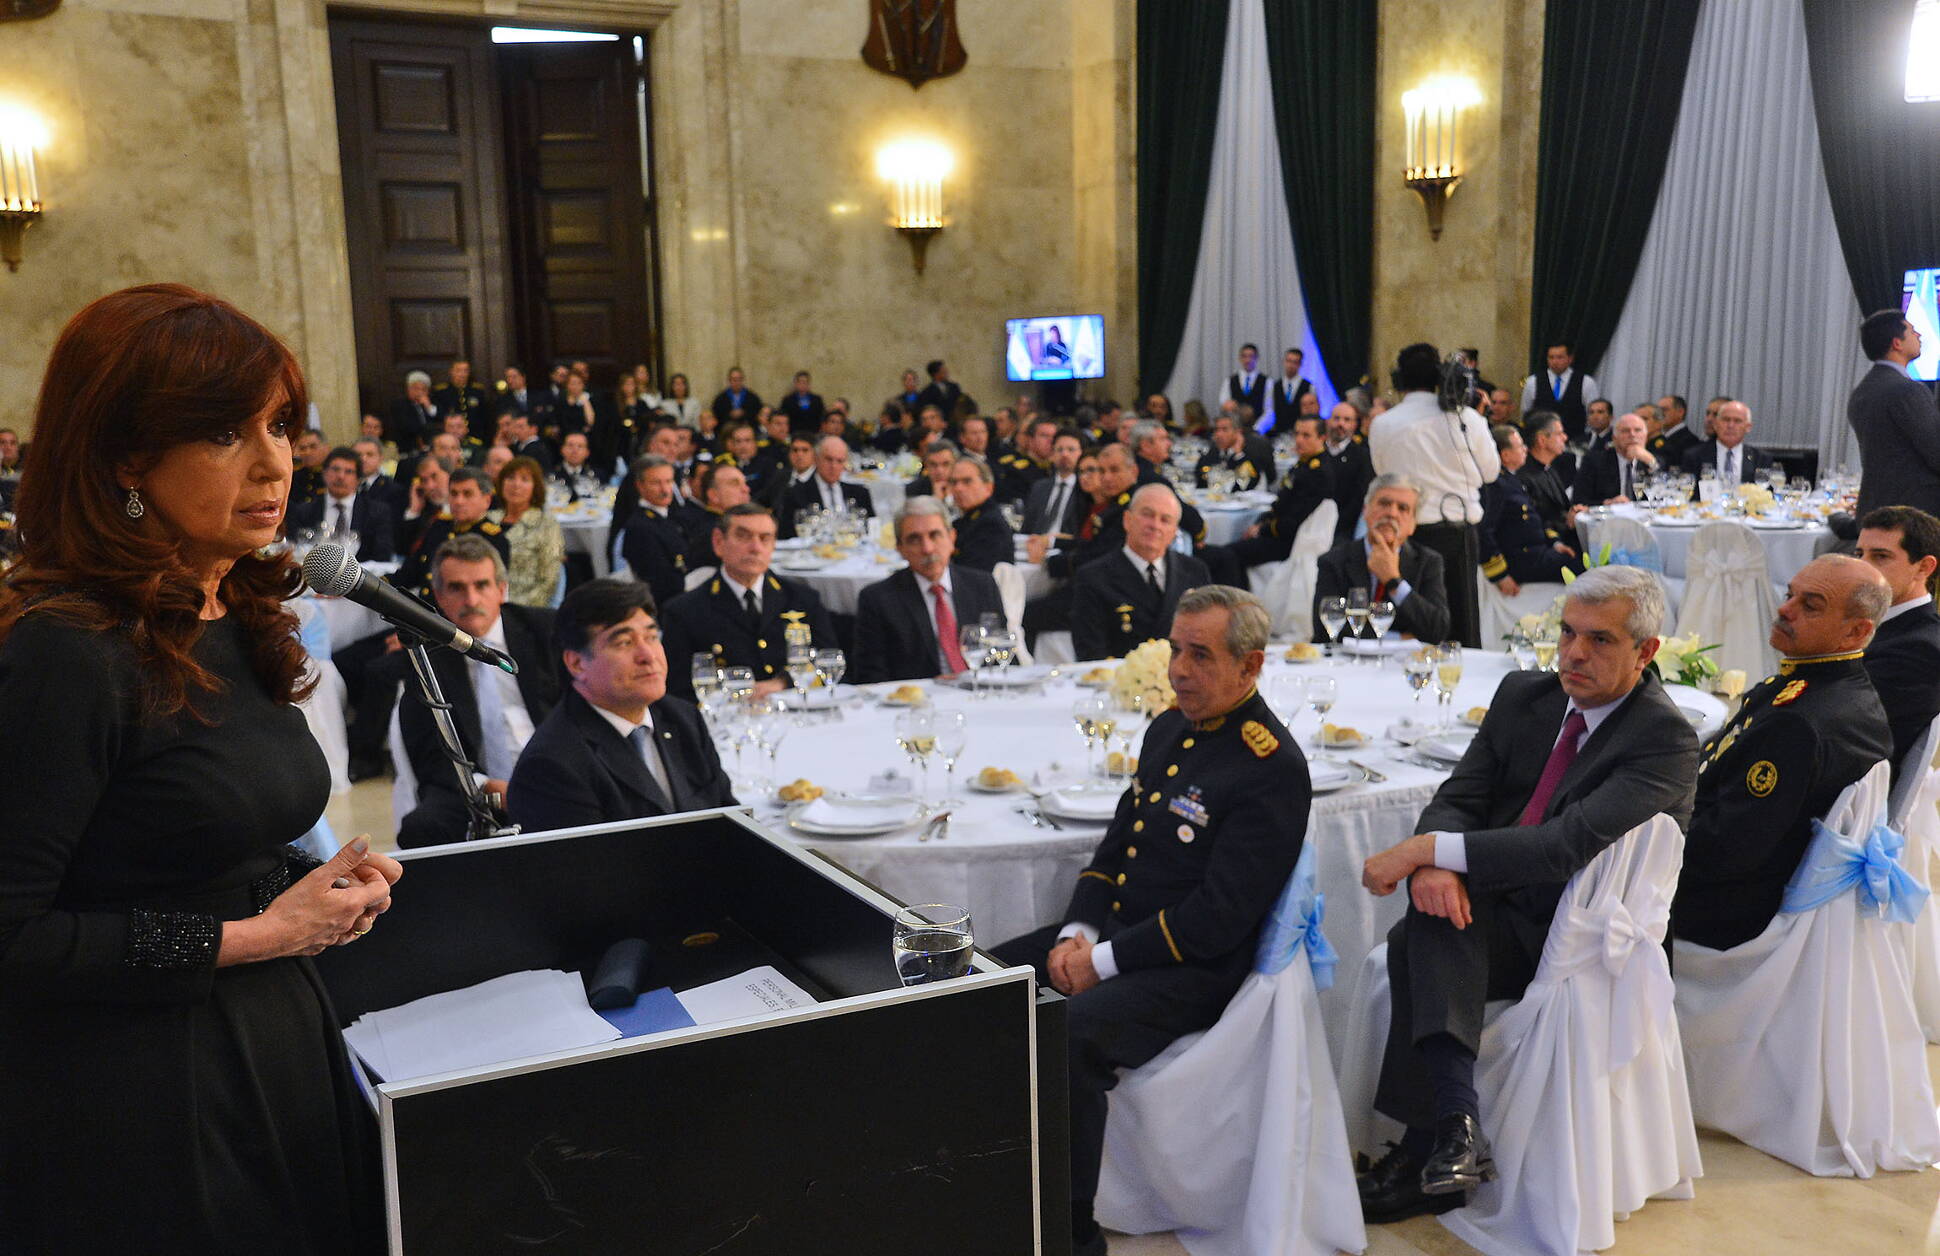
pixel 1186 744
pixel 769 668
pixel 1131 852
pixel 1138 826
pixel 1121 878
pixel 760 644
pixel 1117 907
pixel 1172 769
pixel 1152 797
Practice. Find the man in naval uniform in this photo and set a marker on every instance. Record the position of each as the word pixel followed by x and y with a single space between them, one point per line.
pixel 1309 483
pixel 1517 548
pixel 468 500
pixel 1800 738
pixel 1164 921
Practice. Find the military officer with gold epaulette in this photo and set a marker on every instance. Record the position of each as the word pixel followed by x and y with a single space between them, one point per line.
pixel 1515 546
pixel 1229 453
pixel 467 502
pixel 1164 920
pixel 741 615
pixel 1800 738
pixel 1308 483
pixel 1346 451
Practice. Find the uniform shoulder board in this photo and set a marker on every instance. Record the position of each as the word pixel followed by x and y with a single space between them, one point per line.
pixel 1359 439
pixel 1313 463
pixel 774 584
pixel 1789 694
pixel 1261 742
pixel 489 528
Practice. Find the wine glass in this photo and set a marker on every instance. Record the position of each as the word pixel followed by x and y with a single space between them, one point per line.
pixel 1086 712
pixel 952 735
pixel 971 638
pixel 1333 618
pixel 738 682
pixel 1357 612
pixel 931 942
pixel 1000 649
pixel 1448 674
pixel 1380 617
pixel 707 676
pixel 768 721
pixel 1321 693
pixel 830 665
pixel 1544 646
pixel 801 670
pixel 1419 668
pixel 916 734
pixel 1286 695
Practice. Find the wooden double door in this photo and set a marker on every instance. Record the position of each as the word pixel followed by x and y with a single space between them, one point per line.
pixel 494 202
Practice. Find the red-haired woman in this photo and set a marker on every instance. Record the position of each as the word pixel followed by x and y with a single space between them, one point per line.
pixel 171 1075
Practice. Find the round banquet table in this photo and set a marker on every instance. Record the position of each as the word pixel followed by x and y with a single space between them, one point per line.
pixel 885 493
pixel 1786 549
pixel 1228 519
pixel 1015 877
pixel 585 528
pixel 841 582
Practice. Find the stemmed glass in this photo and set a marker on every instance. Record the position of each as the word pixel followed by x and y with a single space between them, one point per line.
pixel 1544 646
pixel 931 942
pixel 952 736
pixel 1333 618
pixel 830 665
pixel 801 670
pixel 1088 713
pixel 1000 648
pixel 1448 674
pixel 768 725
pixel 707 676
pixel 1357 612
pixel 1321 692
pixel 1419 668
pixel 971 638
pixel 1380 617
pixel 916 734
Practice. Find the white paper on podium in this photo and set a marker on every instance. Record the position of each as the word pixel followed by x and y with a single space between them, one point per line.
pixel 506 1018
pixel 755 992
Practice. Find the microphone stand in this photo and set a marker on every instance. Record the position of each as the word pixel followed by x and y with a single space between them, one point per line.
pixel 482 821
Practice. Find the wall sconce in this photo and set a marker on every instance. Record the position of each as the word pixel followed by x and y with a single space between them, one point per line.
pixel 914 170
pixel 20 134
pixel 1430 166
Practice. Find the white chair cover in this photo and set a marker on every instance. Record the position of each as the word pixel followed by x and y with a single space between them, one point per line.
pixel 1728 597
pixel 324 712
pixel 1916 813
pixel 1233 1137
pixel 1056 647
pixel 1500 611
pixel 404 785
pixel 1631 545
pixel 1287 587
pixel 616 560
pixel 1010 591
pixel 1581 1080
pixel 1803 1042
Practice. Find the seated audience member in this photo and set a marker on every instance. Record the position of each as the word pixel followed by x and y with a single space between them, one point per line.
pixel 524 442
pixel 1353 466
pixel 1161 929
pixel 1548 474
pixel 1128 598
pixel 891 436
pixel 617 745
pixel 737 400
pixel 463 398
pixel 983 538
pixel 1056 503
pixel 741 447
pixel 535 545
pixel 721 490
pixel 1903 661
pixel 1389 566
pixel 1735 461
pixel 1309 483
pixel 343 509
pixel 938 457
pixel 1102 530
pixel 803 405
pixel 1151 446
pixel 796 470
pixel 1229 451
pixel 413 417
pixel 653 543
pixel 1616 472
pixel 494 712
pixel 468 449
pixel 425 499
pixel 1563 765
pixel 906 626
pixel 1800 738
pixel 310 449
pixel 825 488
pixel 469 502
pixel 1678 437
pixel 1515 547
pixel 575 470
pixel 371 480
pixel 740 615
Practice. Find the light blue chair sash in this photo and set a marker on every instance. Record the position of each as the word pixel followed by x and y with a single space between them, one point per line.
pixel 1294 925
pixel 1835 863
pixel 1643 559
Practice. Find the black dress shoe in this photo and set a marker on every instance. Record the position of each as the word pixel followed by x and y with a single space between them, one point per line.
pixel 1407 1200
pixel 1461 1160
pixel 1093 1245
pixel 1397 1168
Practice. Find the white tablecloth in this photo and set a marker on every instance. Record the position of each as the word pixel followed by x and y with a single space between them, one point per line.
pixel 885 494
pixel 1786 549
pixel 841 583
pixel 586 532
pixel 1014 877
pixel 1227 520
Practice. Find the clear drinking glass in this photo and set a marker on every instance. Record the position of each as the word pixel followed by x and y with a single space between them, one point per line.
pixel 1321 694
pixel 1545 650
pixel 801 670
pixel 1448 674
pixel 952 735
pixel 1333 618
pixel 738 682
pixel 1419 668
pixel 1357 612
pixel 916 734
pixel 931 942
pixel 971 638
pixel 830 666
pixel 1000 650
pixel 707 676
pixel 1086 713
pixel 1380 617
pixel 769 719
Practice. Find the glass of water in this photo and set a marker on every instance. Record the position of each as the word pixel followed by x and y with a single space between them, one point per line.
pixel 1333 619
pixel 931 943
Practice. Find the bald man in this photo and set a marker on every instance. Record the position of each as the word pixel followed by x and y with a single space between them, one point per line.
pixel 1735 461
pixel 1800 738
pixel 1127 597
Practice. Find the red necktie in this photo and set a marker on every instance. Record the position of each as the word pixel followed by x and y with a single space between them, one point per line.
pixel 946 631
pixel 1560 758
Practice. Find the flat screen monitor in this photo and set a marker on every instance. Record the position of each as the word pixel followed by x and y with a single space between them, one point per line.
pixel 1062 346
pixel 1923 311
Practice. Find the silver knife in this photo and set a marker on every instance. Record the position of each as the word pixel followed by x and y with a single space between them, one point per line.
pixel 1373 777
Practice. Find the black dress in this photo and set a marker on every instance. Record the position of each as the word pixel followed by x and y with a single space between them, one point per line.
pixel 150 1101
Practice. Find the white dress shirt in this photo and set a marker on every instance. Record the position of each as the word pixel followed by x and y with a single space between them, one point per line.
pixel 1541 381
pixel 1450 456
pixel 740 591
pixel 503 722
pixel 331 508
pixel 1451 849
pixel 1731 462
pixel 656 766
pixel 1900 608
pixel 1139 564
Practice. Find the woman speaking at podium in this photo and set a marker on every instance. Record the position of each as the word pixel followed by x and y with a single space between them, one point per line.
pixel 171 1076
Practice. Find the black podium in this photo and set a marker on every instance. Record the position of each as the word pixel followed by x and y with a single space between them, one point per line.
pixel 881 1120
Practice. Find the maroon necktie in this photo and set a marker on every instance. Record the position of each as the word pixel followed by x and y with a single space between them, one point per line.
pixel 946 632
pixel 1560 759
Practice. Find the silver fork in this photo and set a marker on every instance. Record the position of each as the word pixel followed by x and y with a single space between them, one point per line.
pixel 1037 821
pixel 1373 777
pixel 938 827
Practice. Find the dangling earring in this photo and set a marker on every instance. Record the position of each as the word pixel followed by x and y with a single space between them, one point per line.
pixel 135 508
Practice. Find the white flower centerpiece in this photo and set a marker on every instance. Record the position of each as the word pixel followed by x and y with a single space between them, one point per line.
pixel 1142 682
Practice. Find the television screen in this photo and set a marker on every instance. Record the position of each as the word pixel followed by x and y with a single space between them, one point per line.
pixel 1065 346
pixel 1923 311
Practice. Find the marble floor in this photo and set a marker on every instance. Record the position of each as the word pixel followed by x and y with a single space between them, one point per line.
pixel 1746 1202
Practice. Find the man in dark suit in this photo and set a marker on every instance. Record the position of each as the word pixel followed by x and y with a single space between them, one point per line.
pixel 524 444
pixel 825 488
pixel 494 713
pixel 513 395
pixel 741 616
pixel 804 406
pixel 1896 421
pixel 1515 548
pixel 983 536
pixel 462 397
pixel 1564 765
pixel 1800 738
pixel 652 542
pixel 736 397
pixel 1128 598
pixel 941 392
pixel 343 509
pixel 906 626
pixel 1163 924
pixel 1678 437
pixel 1056 504
pixel 1616 472
pixel 1346 452
pixel 371 480
pixel 1728 454
pixel 1246 386
pixel 1544 476
pixel 1903 661
pixel 1388 565
pixel 1288 391
pixel 413 417
pixel 617 746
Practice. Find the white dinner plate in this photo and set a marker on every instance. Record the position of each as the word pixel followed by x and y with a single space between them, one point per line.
pixel 978 786
pixel 1446 747
pixel 1704 710
pixel 853 815
pixel 1328 776
pixel 1777 525
pixel 793 543
pixel 1088 804
pixel 1677 521
pixel 1004 678
pixel 1354 743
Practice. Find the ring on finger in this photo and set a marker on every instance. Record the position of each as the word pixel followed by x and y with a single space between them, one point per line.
pixel 360 932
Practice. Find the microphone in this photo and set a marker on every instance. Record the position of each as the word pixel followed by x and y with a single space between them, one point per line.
pixel 332 571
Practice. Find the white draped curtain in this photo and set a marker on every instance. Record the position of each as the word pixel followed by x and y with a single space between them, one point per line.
pixel 1742 289
pixel 1247 286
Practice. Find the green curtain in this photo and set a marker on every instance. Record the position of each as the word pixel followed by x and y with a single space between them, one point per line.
pixel 1613 79
pixel 1882 155
pixel 1181 45
pixel 1321 57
